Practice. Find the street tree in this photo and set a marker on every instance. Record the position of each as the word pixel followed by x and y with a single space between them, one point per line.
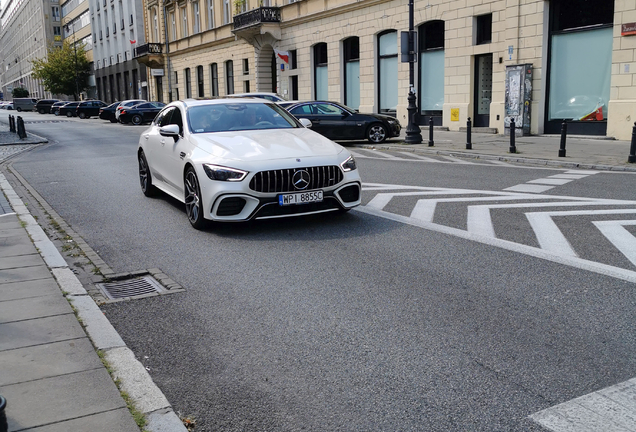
pixel 20 92
pixel 65 70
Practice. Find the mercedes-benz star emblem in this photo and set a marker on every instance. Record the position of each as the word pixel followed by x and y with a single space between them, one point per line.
pixel 301 179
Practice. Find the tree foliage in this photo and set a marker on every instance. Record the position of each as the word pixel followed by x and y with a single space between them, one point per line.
pixel 65 70
pixel 20 92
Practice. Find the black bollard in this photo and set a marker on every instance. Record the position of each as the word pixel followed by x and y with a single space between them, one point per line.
pixel 564 133
pixel 513 146
pixel 469 144
pixel 21 131
pixel 632 148
pixel 11 123
pixel 431 143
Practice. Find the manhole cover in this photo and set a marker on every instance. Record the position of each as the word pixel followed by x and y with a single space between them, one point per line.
pixel 130 287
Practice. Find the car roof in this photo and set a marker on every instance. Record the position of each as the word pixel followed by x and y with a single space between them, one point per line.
pixel 187 103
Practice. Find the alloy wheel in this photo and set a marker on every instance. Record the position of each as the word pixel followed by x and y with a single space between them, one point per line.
pixel 193 199
pixel 377 134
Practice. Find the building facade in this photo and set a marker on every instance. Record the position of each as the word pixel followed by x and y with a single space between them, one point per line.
pixel 27 27
pixel 487 60
pixel 117 30
pixel 76 27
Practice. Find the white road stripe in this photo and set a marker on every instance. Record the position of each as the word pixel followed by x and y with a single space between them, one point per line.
pixel 549 235
pixel 383 154
pixel 497 162
pixel 458 161
pixel 550 181
pixel 620 237
pixel 569 176
pixel 528 188
pixel 359 155
pixel 609 409
pixel 416 156
pixel 581 172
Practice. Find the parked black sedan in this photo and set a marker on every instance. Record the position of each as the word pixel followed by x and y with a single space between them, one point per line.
pixel 108 112
pixel 56 106
pixel 89 108
pixel 141 113
pixel 338 122
pixel 68 109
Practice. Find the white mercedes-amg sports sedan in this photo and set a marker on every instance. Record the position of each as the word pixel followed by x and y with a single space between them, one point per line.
pixel 236 160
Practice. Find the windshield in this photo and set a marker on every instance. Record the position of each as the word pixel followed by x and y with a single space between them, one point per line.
pixel 238 116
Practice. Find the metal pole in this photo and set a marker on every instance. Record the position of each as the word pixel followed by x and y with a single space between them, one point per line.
pixel 632 148
pixel 469 144
pixel 564 132
pixel 413 132
pixel 431 143
pixel 513 147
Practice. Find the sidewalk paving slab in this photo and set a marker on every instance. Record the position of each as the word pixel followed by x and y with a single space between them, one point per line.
pixel 63 397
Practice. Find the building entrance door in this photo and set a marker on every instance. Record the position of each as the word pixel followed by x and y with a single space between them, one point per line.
pixel 483 90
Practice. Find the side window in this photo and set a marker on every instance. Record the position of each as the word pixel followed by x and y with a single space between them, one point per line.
pixel 176 119
pixel 326 109
pixel 164 117
pixel 303 109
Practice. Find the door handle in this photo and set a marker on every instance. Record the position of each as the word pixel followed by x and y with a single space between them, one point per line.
pixel 145 136
pixel 182 155
pixel 163 142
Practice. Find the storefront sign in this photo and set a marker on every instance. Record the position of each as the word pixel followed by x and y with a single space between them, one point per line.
pixel 628 29
pixel 156 72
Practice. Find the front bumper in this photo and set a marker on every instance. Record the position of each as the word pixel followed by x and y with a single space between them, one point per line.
pixel 236 207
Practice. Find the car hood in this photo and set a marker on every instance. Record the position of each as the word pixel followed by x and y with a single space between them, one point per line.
pixel 260 145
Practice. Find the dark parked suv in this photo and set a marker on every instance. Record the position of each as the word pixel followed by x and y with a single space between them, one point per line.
pixel 43 106
pixel 90 108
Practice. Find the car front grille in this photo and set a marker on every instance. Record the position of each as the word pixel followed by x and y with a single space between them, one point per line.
pixel 276 181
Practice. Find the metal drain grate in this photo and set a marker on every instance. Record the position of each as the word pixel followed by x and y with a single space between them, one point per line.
pixel 130 287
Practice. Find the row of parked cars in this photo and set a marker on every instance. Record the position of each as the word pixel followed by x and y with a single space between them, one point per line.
pixel 331 119
pixel 135 111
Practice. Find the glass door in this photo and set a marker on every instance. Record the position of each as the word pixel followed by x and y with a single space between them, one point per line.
pixel 483 90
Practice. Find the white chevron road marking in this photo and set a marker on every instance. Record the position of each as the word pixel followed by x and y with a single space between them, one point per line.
pixel 529 188
pixel 599 268
pixel 416 156
pixel 621 238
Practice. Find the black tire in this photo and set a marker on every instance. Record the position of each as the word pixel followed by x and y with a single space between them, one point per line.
pixel 113 120
pixel 57 113
pixel 145 178
pixel 69 114
pixel 41 111
pixel 377 133
pixel 82 115
pixel 136 119
pixel 193 201
pixel 18 109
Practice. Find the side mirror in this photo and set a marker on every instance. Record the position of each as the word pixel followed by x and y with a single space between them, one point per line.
pixel 305 122
pixel 171 130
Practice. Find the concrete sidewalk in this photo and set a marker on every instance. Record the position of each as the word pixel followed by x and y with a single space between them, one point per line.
pixel 51 331
pixel 585 152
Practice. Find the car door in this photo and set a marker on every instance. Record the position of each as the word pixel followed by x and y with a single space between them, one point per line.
pixel 332 120
pixel 308 111
pixel 171 156
pixel 154 145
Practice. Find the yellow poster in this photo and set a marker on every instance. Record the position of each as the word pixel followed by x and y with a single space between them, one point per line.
pixel 454 114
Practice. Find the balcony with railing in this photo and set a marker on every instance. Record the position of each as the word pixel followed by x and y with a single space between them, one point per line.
pixel 150 54
pixel 259 20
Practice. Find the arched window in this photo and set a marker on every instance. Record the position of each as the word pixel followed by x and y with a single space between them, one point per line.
pixel 229 75
pixel 200 81
pixel 388 71
pixel 321 82
pixel 431 84
pixel 214 79
pixel 351 48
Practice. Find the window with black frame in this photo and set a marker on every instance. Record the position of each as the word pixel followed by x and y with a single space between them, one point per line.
pixel 579 69
pixel 351 48
pixel 321 83
pixel 431 71
pixel 388 72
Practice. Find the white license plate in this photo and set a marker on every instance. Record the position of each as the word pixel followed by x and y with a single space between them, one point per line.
pixel 300 198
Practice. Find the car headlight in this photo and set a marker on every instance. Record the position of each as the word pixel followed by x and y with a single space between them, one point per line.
pixel 215 172
pixel 349 164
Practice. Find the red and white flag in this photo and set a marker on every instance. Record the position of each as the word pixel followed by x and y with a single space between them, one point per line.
pixel 283 55
pixel 133 41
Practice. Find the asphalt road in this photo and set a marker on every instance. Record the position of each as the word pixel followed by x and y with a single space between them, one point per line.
pixel 357 322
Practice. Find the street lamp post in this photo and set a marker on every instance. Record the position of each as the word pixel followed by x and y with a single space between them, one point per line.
pixel 413 132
